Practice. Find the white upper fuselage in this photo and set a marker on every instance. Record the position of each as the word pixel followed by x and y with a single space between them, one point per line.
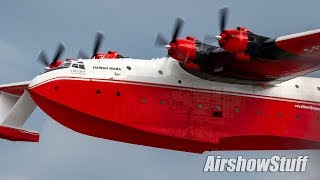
pixel 167 71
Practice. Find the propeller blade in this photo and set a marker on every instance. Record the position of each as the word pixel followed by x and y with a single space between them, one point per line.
pixel 97 43
pixel 223 18
pixel 177 28
pixel 160 40
pixel 82 55
pixel 43 58
pixel 60 50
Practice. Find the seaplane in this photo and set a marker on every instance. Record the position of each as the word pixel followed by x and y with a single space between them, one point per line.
pixel 248 93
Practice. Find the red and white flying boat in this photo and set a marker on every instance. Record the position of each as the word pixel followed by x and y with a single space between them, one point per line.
pixel 246 94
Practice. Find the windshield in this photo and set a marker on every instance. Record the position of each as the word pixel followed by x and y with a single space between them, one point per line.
pixel 78 65
pixel 65 65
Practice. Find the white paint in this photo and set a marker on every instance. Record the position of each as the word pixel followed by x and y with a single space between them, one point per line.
pixel 20 112
pixel 7 101
pixel 147 71
pixel 297 35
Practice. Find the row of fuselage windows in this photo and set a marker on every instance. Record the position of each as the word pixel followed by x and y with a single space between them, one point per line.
pixel 218 112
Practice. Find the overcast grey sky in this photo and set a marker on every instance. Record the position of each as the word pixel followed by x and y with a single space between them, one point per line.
pixel 130 27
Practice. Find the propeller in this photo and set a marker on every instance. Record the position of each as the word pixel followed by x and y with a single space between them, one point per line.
pixel 97 43
pixel 96 47
pixel 162 41
pixel 223 18
pixel 44 59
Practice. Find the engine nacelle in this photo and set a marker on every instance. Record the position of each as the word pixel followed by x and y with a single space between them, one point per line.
pixel 183 50
pixel 234 41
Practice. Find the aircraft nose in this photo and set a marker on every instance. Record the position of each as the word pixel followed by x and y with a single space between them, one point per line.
pixel 42 88
pixel 37 81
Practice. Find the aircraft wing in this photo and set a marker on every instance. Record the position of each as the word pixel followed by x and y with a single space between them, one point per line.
pixel 306 47
pixel 16 106
pixel 302 44
pixel 277 60
pixel 15 88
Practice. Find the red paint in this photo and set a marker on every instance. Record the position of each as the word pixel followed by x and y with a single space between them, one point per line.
pixel 263 70
pixel 243 57
pixel 109 55
pixel 234 41
pixel 15 134
pixel 179 119
pixel 307 45
pixel 56 64
pixel 15 90
pixel 183 50
pixel 180 87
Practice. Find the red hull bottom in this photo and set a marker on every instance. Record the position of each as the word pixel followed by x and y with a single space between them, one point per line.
pixel 102 128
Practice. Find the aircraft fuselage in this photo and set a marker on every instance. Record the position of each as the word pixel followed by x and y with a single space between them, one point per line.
pixel 157 103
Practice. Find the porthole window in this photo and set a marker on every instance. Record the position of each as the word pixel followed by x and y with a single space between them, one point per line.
pixel 128 67
pixel 279 114
pixel 200 106
pixel 143 100
pixel 98 92
pixel 118 93
pixel 318 88
pixel 160 72
pixel 237 110
pixel 179 81
pixel 55 88
pixel 297 86
pixel 162 102
pixel 218 108
pixel 297 117
pixel 174 103
pixel 259 113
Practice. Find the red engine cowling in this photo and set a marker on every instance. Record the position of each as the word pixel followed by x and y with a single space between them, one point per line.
pixel 183 50
pixel 56 64
pixel 234 41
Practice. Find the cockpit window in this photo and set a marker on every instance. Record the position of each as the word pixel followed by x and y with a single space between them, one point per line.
pixel 66 65
pixel 75 65
pixel 81 66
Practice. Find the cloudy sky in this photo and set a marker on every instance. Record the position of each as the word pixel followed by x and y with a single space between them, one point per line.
pixel 130 27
